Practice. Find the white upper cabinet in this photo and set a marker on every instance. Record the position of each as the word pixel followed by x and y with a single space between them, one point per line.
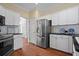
pixel 2 11
pixel 55 19
pixel 68 16
pixel 9 18
pixel 12 18
pixel 16 18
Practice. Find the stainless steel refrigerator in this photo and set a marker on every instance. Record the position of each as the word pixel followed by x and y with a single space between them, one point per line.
pixel 43 31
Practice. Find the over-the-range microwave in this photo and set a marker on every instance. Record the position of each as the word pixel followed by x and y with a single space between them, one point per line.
pixel 2 20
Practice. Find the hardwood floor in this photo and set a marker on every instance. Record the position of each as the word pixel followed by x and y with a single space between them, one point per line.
pixel 33 50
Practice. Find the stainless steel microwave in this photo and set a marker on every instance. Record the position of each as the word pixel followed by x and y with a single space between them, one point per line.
pixel 2 20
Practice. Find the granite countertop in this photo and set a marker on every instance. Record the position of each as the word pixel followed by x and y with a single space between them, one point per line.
pixel 4 36
pixel 76 35
pixel 15 33
pixel 12 34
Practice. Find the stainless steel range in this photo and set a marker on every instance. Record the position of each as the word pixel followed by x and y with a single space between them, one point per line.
pixel 6 44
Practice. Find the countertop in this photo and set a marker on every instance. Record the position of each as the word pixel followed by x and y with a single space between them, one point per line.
pixel 5 36
pixel 15 33
pixel 76 35
pixel 12 34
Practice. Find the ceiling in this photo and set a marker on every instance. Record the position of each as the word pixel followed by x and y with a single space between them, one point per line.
pixel 27 9
pixel 43 6
pixel 31 6
pixel 27 6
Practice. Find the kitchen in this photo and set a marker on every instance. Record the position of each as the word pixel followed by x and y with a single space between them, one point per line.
pixel 46 25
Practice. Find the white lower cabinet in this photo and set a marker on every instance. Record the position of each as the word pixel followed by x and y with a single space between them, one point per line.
pixel 70 44
pixel 61 42
pixel 18 42
pixel 53 41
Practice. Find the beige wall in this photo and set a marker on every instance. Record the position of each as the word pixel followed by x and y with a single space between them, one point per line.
pixel 34 13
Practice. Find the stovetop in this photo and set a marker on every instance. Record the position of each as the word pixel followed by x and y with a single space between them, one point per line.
pixel 5 36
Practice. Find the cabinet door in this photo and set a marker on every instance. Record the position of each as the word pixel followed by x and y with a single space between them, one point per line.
pixel 55 19
pixel 72 16
pixel 9 18
pixel 16 17
pixel 2 11
pixel 65 43
pixel 18 43
pixel 12 18
pixel 70 44
pixel 62 43
pixel 62 18
pixel 69 16
pixel 53 41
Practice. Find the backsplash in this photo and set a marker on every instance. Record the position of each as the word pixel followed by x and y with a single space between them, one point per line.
pixel 56 29
pixel 13 29
pixel 9 29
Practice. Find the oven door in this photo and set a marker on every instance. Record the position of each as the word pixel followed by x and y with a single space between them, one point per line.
pixel 6 46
